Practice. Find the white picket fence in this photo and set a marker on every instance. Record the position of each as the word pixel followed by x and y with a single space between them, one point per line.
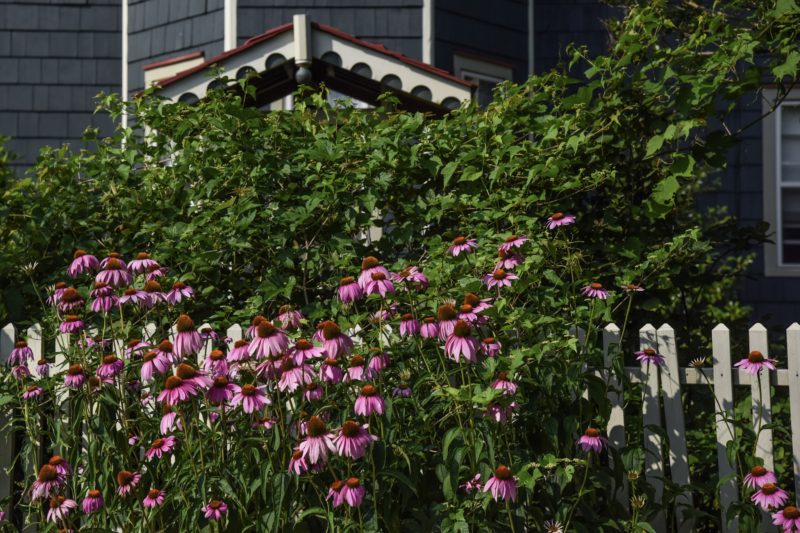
pixel 662 405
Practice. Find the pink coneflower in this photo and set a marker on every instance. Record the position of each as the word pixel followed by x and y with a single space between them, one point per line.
pixel 289 317
pixel 47 482
pixel 127 481
pixel 513 241
pixel 104 304
pixel 60 507
pixel 383 315
pixel 155 295
pixel 508 260
pixel 788 519
pixel 82 262
pixel 61 465
pixel 20 354
pixel 754 362
pixel 43 368
pixel 252 329
pixel 330 371
pixel 294 376
pixel 215 509
pixel 263 422
pixel 142 263
pixel 176 390
pixel 75 377
pixel 379 284
pixel 334 342
pixel 101 289
pixel 355 369
pixel 317 443
pixel 134 348
pixel 402 391
pixel 591 440
pixel 188 341
pixel 32 391
pixel 467 314
pixel 559 219
pixel 335 493
pixel 499 278
pixel 462 245
pixel 478 304
pixel 758 477
pixel 156 272
pixel 168 419
pixel 490 346
pixel 153 364
pixel 154 498
pixel 409 326
pixel 649 356
pixel 353 440
pixel 349 290
pixel 239 352
pixel 462 344
pixel 633 287
pixel 93 501
pixel 251 398
pixel 770 496
pixel 313 392
pixel 20 372
pixel 352 492
pixel 216 364
pixel 111 367
pixel 268 341
pixel 71 324
pixel 160 446
pixel 500 413
pixel 304 350
pixel 70 300
pixel 429 328
pixel 447 317
pixel 377 363
pixel 412 276
pixel 369 402
pixel 297 463
pixel 134 296
pixel 192 376
pixel 207 333
pixel 58 289
pixel 114 273
pixel 595 290
pixel 222 390
pixel 164 351
pixel 370 265
pixel 502 484
pixel 179 292
pixel 504 384
pixel 473 484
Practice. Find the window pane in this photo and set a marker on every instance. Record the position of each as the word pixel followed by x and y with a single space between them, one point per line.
pixel 790 225
pixel 790 149
pixel 790 172
pixel 790 119
pixel 791 254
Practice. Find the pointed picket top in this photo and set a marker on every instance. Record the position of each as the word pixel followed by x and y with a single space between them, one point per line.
pixel 611 328
pixel 757 327
pixel 720 327
pixel 235 332
pixel 8 336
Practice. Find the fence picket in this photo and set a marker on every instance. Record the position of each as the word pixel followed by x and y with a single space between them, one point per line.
pixel 235 333
pixel 8 336
pixel 149 333
pixel 723 392
pixel 793 362
pixel 616 418
pixel 676 430
pixel 36 344
pixel 761 396
pixel 651 416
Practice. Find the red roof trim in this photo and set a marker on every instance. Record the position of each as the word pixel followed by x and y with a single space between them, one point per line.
pixel 172 60
pixel 324 28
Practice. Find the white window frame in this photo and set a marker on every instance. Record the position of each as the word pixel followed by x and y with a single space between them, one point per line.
pixel 772 182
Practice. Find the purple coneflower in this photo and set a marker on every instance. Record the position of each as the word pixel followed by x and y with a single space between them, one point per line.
pixel 216 364
pixel 478 304
pixel 467 314
pixel 462 245
pixel 591 440
pixel 43 368
pixel 502 484
pixel 473 484
pixel 142 263
pixel 413 276
pixel 369 402
pixel 313 392
pixel 402 391
pixel 409 326
pixel 754 362
pixel 60 507
pixel 251 398
pixel 770 496
pixel 192 376
pixel 168 419
pixel 82 262
pixel 47 482
pixel 61 465
pixel 268 341
pixel 188 340
pixel 134 348
pixel 32 391
pixel 330 371
pixel 499 278
pixel 304 350
pixel 383 315
pixel 297 463
pixel 447 317
pixel 110 367
pixel 595 290
pixel 101 289
pixel 370 265
pixel 500 413
pixel 334 342
pixel 176 390
pixel 156 272
pixel 179 292
pixel 134 296
pixel 160 446
pixel 289 317
pixel 758 477
pixel 75 377
pixel 154 498
pixel 164 351
pixel 633 287
pixel 294 376
pixel 127 481
pixel 379 284
pixel 353 440
pixel 207 333
pixel 71 324
pixel 352 493
pixel 240 351
pixel 215 509
pixel 70 300
pixel 20 372
pixel 377 363
pixel 504 384
pixel 58 289
pixel 153 364
pixel 429 328
pixel 222 390
pixel 93 501
pixel 490 346
pixel 155 295
pixel 788 519
pixel 335 493
pixel 559 219
pixel 104 304
pixel 20 354
pixel 355 369
pixel 253 327
pixel 513 241
pixel 114 273
pixel 462 344
pixel 649 356
pixel 349 290
pixel 317 443
pixel 508 260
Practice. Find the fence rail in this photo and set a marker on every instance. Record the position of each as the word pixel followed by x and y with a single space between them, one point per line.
pixel 662 404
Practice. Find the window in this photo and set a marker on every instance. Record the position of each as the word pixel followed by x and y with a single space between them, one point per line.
pixel 781 151
pixel 484 73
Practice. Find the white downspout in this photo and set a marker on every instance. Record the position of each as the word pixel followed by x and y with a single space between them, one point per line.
pixel 229 22
pixel 124 59
pixel 427 31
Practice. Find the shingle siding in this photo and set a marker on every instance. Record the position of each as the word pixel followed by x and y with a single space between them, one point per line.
pixel 55 56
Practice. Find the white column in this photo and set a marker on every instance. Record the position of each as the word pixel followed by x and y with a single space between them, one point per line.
pixel 124 60
pixel 302 40
pixel 229 38
pixel 427 31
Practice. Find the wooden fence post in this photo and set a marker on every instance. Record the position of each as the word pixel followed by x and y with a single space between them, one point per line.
pixel 8 336
pixel 762 398
pixel 793 362
pixel 723 392
pixel 651 416
pixel 616 419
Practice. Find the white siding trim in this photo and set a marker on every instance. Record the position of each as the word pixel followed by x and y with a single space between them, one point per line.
pixel 428 32
pixel 229 21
